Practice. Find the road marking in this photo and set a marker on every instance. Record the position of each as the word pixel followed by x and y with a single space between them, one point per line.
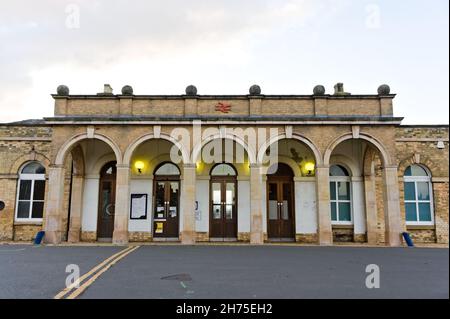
pixel 104 263
pixel 91 280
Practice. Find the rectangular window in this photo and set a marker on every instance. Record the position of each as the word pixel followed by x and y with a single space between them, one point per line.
pixel 424 212
pixel 333 191
pixel 410 191
pixel 423 191
pixel 25 190
pixel 344 190
pixel 411 212
pixel 23 209
pixel 418 202
pixel 30 197
pixel 333 212
pixel 340 202
pixel 344 212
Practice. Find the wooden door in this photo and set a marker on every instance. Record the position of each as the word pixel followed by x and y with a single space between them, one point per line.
pixel 107 201
pixel 223 208
pixel 280 208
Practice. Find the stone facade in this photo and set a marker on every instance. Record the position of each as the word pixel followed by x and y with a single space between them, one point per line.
pixel 358 132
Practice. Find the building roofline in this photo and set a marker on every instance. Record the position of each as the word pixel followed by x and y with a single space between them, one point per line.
pixel 219 97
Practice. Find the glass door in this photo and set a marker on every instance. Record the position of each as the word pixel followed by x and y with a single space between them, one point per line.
pixel 229 218
pixel 216 229
pixel 286 211
pixel 273 210
pixel 223 217
pixel 166 208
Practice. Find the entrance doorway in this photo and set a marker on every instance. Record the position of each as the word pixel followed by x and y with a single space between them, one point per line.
pixel 280 203
pixel 106 202
pixel 223 207
pixel 166 194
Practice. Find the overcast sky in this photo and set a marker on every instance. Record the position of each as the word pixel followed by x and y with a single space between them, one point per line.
pixel 223 47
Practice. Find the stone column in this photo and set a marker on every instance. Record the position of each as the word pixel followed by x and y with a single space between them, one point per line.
pixel 392 206
pixel 55 201
pixel 122 207
pixel 76 205
pixel 256 220
pixel 371 208
pixel 323 205
pixel 188 195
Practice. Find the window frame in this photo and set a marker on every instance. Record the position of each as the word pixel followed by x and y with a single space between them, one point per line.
pixel 33 178
pixel 416 201
pixel 336 180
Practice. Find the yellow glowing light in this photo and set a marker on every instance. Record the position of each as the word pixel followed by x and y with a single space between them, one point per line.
pixel 199 166
pixel 139 165
pixel 309 167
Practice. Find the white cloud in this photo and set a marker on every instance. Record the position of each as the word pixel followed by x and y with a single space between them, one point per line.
pixel 159 47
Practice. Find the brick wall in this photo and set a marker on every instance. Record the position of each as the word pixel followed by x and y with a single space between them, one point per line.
pixel 419 145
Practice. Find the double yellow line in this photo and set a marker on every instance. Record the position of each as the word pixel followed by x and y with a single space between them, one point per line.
pixel 71 292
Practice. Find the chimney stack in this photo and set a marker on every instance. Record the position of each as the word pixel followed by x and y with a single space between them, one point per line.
pixel 339 89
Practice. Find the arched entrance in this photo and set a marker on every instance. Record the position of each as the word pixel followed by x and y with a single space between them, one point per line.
pixel 166 203
pixel 280 203
pixel 106 202
pixel 223 203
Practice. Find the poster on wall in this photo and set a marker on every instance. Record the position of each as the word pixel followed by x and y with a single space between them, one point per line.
pixel 138 208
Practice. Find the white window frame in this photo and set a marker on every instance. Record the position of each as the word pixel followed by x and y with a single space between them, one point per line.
pixel 32 178
pixel 346 179
pixel 415 180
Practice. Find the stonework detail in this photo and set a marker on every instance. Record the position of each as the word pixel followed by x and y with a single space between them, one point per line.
pixel 358 131
pixel 140 237
pixel 306 238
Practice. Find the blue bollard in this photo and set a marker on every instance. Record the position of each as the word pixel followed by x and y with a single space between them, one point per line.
pixel 39 236
pixel 408 239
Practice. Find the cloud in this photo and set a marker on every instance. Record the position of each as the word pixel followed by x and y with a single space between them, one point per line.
pixel 141 42
pixel 222 46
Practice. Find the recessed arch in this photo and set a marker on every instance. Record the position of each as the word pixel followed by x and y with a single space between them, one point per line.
pixel 385 157
pixel 31 157
pixel 199 146
pixel 288 161
pixel 133 146
pixel 215 170
pixel 348 163
pixel 167 168
pixel 69 144
pixel 100 163
pixel 304 140
pixel 422 161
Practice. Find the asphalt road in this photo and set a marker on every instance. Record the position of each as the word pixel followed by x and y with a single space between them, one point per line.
pixel 268 272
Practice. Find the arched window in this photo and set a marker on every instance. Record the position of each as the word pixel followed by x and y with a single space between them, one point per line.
pixel 31 192
pixel 418 196
pixel 340 196
pixel 167 169
pixel 223 170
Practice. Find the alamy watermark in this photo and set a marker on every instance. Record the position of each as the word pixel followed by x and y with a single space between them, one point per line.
pixel 73 279
pixel 373 277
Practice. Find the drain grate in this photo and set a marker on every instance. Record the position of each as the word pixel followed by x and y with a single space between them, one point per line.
pixel 178 277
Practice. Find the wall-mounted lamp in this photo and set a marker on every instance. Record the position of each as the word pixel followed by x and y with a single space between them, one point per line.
pixel 139 165
pixel 309 167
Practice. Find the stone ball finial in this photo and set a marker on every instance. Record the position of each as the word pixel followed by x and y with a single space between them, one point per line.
pixel 319 90
pixel 127 90
pixel 63 90
pixel 384 89
pixel 191 90
pixel 255 90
